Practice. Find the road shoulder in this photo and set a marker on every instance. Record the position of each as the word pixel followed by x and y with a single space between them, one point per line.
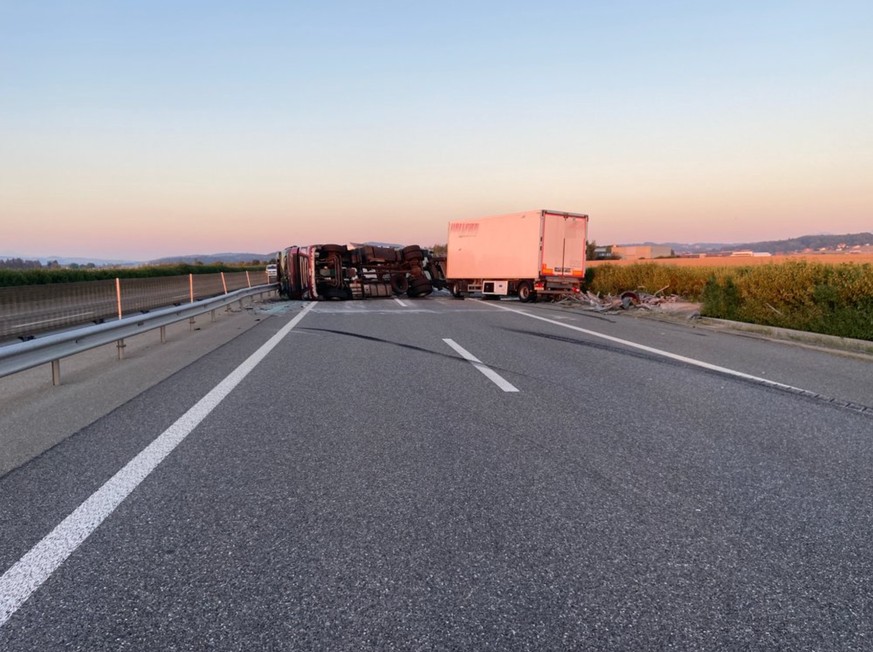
pixel 35 416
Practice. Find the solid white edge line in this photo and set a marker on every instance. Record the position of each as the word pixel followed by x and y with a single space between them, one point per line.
pixel 660 352
pixel 19 582
pixel 492 375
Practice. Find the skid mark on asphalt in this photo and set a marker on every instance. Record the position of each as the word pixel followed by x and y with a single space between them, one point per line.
pixel 791 389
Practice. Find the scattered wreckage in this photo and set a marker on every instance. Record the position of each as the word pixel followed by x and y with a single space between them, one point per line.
pixel 538 253
pixel 331 271
pixel 631 300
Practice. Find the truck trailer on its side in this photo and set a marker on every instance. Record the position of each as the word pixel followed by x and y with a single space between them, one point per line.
pixel 528 254
pixel 331 271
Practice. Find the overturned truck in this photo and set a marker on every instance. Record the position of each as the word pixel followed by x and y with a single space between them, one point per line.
pixel 331 271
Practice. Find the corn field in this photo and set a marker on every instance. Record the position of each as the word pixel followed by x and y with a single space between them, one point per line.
pixel 819 297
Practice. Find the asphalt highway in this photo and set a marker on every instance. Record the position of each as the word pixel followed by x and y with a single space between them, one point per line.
pixel 457 475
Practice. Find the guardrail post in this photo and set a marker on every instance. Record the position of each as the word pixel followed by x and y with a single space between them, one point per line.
pixel 118 295
pixel 56 372
pixel 120 343
pixel 163 334
pixel 212 313
pixel 191 292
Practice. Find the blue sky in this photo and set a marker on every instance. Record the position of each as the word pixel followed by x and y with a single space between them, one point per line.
pixel 142 129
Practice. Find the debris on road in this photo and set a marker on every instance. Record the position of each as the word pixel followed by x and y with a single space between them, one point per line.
pixel 633 300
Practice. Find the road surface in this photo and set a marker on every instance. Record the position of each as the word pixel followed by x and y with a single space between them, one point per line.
pixel 472 475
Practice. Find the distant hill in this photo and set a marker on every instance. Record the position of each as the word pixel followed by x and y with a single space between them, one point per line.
pixel 206 259
pixel 66 260
pixel 814 242
pixel 230 257
pixel 211 259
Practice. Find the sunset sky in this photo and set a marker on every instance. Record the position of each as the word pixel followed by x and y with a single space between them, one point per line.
pixel 135 130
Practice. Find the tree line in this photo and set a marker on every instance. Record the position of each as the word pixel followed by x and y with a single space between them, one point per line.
pixel 21 263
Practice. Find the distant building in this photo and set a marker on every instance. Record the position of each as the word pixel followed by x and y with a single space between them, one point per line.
pixel 756 254
pixel 641 252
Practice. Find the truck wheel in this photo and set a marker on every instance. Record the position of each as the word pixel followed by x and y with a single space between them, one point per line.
pixel 525 292
pixel 335 293
pixel 456 291
pixel 419 286
pixel 399 283
pixel 412 252
pixel 332 249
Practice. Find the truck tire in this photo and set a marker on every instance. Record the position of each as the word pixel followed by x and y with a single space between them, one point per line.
pixel 399 283
pixel 332 249
pixel 525 292
pixel 457 292
pixel 412 252
pixel 335 293
pixel 419 286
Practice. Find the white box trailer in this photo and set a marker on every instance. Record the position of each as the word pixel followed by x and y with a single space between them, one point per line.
pixel 538 252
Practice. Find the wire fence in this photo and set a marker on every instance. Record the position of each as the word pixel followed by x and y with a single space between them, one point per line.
pixel 29 310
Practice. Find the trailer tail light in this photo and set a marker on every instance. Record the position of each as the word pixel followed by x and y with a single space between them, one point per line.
pixel 539 285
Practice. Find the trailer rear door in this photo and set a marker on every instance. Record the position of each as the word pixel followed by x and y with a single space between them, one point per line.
pixel 564 241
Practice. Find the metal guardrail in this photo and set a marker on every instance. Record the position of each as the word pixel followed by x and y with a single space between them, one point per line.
pixel 56 346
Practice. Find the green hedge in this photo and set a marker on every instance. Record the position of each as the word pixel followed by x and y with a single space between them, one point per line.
pixel 801 295
pixel 12 277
